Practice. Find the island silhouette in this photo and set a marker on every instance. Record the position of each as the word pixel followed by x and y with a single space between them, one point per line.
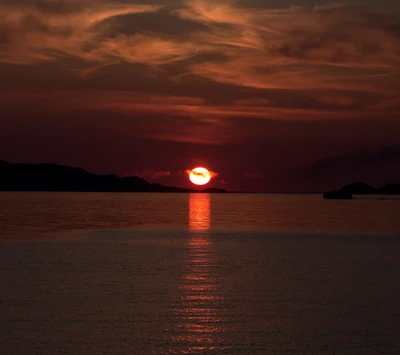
pixel 53 177
pixel 361 188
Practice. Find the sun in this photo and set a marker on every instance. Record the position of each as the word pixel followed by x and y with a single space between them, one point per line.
pixel 199 176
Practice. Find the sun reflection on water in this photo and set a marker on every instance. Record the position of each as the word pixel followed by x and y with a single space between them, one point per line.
pixel 199 306
pixel 199 212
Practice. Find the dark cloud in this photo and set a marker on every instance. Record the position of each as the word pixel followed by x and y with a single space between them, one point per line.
pixel 346 36
pixel 162 22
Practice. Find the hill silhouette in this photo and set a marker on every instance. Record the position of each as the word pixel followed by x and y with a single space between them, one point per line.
pixel 53 177
pixel 364 189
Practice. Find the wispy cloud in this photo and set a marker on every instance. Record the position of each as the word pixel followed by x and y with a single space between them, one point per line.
pixel 329 47
pixel 294 63
pixel 47 30
pixel 300 47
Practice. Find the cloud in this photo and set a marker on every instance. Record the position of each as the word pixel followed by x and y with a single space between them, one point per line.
pixel 188 119
pixel 234 67
pixel 216 12
pixel 314 105
pixel 300 47
pixel 332 47
pixel 50 30
pixel 213 174
pixel 338 36
pixel 164 117
pixel 387 103
pixel 146 49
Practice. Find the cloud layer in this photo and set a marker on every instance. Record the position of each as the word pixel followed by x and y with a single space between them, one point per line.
pixel 204 71
pixel 248 39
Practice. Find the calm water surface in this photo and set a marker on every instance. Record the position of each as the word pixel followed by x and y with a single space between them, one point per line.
pixel 88 273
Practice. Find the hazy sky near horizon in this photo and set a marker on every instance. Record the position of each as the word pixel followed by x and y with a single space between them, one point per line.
pixel 273 95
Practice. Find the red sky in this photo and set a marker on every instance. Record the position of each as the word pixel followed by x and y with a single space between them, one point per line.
pixel 272 95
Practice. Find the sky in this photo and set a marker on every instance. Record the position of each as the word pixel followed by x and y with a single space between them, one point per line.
pixel 271 95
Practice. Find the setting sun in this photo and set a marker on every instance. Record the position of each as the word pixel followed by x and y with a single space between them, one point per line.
pixel 200 176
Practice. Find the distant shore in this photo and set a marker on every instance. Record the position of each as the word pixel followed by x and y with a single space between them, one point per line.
pixel 360 188
pixel 59 178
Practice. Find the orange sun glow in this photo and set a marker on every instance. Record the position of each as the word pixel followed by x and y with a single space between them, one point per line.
pixel 199 176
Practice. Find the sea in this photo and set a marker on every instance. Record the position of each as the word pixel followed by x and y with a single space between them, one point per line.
pixel 154 273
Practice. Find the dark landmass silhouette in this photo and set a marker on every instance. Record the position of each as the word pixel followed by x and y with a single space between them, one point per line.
pixel 53 177
pixel 364 189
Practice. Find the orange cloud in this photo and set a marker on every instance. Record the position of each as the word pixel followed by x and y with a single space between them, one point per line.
pixel 213 174
pixel 332 47
pixel 146 49
pixel 296 63
pixel 47 31
pixel 325 47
